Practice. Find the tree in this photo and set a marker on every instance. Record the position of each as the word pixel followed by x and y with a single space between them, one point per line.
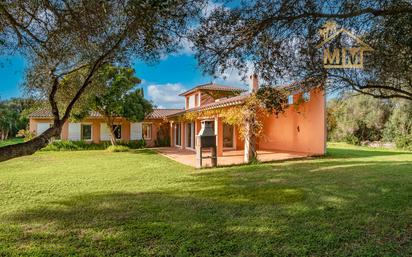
pixel 278 40
pixel 14 116
pixel 359 118
pixel 118 97
pixel 61 38
pixel 398 128
pixel 8 120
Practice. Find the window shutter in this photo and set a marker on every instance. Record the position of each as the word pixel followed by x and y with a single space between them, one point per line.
pixel 74 131
pixel 41 127
pixel 136 131
pixel 104 132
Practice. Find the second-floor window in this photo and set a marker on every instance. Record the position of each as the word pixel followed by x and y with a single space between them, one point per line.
pixel 290 99
pixel 306 96
pixel 191 102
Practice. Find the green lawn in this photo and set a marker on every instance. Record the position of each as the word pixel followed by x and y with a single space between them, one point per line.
pixel 11 141
pixel 355 201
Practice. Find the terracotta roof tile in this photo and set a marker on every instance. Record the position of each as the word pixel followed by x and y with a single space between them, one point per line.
pixel 156 114
pixel 41 113
pixel 162 113
pixel 213 86
pixel 240 99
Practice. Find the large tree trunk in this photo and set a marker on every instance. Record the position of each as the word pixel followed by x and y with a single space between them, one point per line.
pixel 30 147
pixel 110 123
pixel 112 136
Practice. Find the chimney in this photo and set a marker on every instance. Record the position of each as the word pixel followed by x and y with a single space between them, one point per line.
pixel 254 83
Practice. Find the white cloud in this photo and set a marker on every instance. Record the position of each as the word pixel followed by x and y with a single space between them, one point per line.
pixel 236 78
pixel 210 6
pixel 186 46
pixel 166 95
pixel 185 49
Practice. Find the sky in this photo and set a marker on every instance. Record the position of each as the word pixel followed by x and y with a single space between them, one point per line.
pixel 162 82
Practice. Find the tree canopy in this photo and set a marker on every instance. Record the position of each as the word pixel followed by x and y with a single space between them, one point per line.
pixel 279 39
pixel 118 97
pixel 60 38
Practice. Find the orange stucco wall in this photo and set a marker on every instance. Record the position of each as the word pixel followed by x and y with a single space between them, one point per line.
pixel 240 144
pixel 96 122
pixel 300 129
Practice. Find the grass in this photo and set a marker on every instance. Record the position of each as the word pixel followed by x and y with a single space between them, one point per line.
pixel 11 141
pixel 354 201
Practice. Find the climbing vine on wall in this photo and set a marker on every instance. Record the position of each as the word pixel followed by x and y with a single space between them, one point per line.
pixel 266 101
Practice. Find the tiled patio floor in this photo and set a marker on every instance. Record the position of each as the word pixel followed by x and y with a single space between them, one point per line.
pixel 230 157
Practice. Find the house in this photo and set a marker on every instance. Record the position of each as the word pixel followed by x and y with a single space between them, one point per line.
pixel 302 128
pixel 94 129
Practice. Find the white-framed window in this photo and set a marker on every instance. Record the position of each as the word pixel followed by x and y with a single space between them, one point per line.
pixel 86 132
pixel 191 103
pixel 147 130
pixel 290 99
pixel 306 96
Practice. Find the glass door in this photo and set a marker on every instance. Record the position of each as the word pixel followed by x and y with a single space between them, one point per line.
pixel 177 134
pixel 190 135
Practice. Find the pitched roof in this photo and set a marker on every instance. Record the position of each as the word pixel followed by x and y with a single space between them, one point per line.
pixel 41 113
pixel 162 113
pixel 214 87
pixel 293 88
pixel 156 114
pixel 240 99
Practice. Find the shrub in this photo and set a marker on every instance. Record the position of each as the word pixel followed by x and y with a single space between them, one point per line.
pixel 65 145
pixel 118 148
pixel 26 134
pixel 352 139
pixel 357 118
pixel 398 129
pixel 135 144
pixel 404 142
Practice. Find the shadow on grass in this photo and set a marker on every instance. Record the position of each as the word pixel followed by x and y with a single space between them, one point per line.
pixel 328 208
pixel 243 213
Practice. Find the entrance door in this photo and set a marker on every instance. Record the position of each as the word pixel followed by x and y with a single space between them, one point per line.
pixel 228 136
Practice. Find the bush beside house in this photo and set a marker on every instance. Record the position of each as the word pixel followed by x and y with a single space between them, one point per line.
pixel 361 119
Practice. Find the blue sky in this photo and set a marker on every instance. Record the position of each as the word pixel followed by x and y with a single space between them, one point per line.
pixel 11 76
pixel 162 82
